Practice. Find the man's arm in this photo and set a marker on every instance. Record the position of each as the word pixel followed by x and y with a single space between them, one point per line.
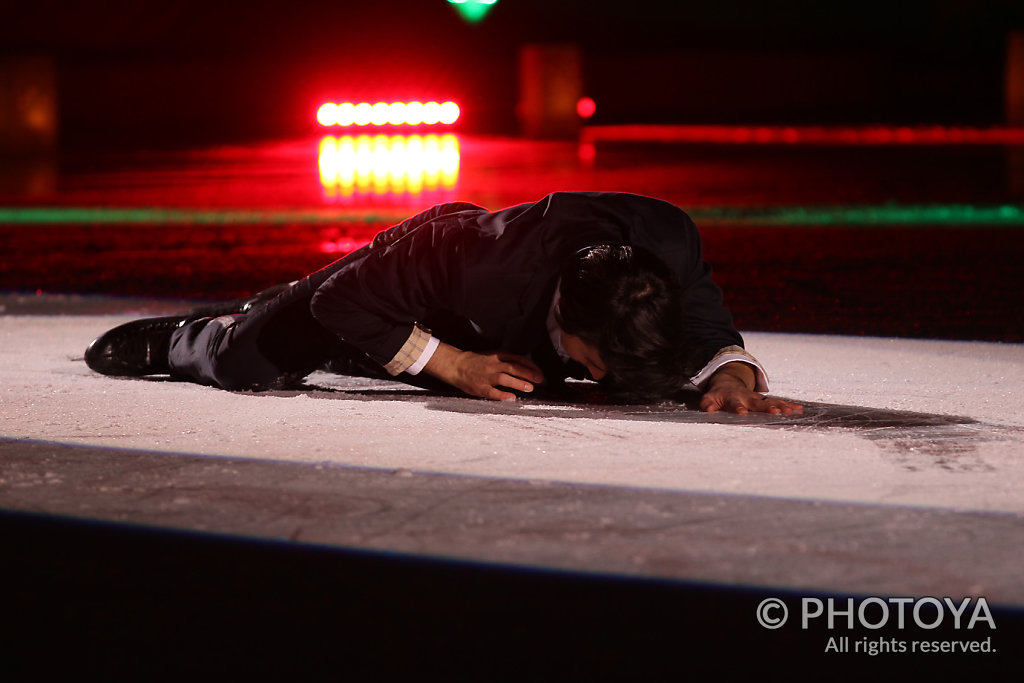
pixel 734 386
pixel 731 388
pixel 482 374
pixel 375 304
pixel 374 301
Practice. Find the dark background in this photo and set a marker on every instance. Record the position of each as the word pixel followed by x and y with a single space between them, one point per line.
pixel 192 71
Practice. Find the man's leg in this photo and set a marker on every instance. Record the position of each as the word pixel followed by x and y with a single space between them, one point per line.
pixel 275 344
pixel 140 347
pixel 260 345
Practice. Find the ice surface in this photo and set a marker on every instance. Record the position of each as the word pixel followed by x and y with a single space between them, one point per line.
pixel 890 421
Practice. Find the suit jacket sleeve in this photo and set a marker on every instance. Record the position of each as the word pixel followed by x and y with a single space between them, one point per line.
pixel 708 321
pixel 374 300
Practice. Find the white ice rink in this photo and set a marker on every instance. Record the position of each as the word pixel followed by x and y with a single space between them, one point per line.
pixel 964 451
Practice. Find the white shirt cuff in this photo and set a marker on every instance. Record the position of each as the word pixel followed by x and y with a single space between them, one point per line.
pixel 733 354
pixel 428 352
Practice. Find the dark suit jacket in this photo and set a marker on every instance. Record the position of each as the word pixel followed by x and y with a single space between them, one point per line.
pixel 458 262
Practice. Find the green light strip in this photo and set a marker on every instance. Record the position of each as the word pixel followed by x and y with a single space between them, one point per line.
pixel 887 214
pixel 122 216
pixel 926 214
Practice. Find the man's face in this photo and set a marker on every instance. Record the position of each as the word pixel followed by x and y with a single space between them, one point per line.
pixel 586 354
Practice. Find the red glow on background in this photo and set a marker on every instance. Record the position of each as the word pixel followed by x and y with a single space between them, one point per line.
pixel 388 164
pixel 387 114
pixel 586 107
pixel 806 135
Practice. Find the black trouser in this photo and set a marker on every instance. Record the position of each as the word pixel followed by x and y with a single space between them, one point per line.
pixel 275 343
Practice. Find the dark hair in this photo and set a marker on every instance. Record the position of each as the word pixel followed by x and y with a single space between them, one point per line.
pixel 626 303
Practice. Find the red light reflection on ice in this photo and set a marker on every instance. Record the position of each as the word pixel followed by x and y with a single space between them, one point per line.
pixel 388 164
pixel 341 245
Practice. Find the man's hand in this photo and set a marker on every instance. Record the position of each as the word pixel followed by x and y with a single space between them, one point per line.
pixel 731 388
pixel 481 374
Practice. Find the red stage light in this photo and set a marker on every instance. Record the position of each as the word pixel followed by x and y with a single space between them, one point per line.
pixel 327 114
pixel 363 114
pixel 346 114
pixel 586 107
pixel 379 113
pixel 449 113
pixel 383 114
pixel 414 113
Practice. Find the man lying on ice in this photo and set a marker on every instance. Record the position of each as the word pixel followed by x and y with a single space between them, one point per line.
pixel 607 285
